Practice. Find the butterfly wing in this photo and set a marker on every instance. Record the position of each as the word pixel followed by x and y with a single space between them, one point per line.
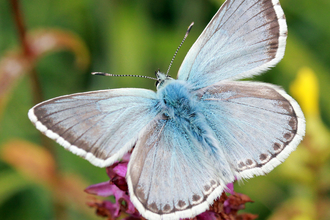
pixel 257 124
pixel 244 38
pixel 99 126
pixel 173 175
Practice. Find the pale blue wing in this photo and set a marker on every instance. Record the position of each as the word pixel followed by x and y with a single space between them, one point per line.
pixel 244 38
pixel 99 126
pixel 172 174
pixel 258 125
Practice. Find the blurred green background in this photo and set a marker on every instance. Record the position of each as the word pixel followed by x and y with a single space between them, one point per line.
pixel 68 39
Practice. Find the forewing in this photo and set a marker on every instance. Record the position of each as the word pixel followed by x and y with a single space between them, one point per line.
pixel 99 126
pixel 244 38
pixel 258 125
pixel 171 175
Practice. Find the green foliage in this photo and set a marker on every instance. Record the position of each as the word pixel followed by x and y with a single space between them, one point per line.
pixel 75 37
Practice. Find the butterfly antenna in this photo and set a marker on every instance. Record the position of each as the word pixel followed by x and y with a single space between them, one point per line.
pixel 109 74
pixel 185 36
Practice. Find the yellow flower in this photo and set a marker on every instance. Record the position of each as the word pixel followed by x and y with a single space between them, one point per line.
pixel 305 89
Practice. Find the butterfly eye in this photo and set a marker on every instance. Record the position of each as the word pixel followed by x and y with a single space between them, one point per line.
pixel 165 116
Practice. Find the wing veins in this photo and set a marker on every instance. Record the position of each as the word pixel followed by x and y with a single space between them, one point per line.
pixel 73 116
pixel 251 125
pixel 104 141
pixel 85 104
pixel 229 100
pixel 243 14
pixel 235 10
pixel 185 173
pixel 274 37
pixel 235 39
pixel 238 57
pixel 150 149
pixel 88 129
pixel 234 139
pixel 61 110
pixel 254 44
pixel 261 108
pixel 216 30
pixel 153 166
pixel 256 61
pixel 252 29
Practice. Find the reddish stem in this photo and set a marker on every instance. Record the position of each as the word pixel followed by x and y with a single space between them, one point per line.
pixel 20 27
pixel 36 92
pixel 35 84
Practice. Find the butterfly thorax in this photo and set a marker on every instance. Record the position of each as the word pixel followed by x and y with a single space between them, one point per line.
pixel 179 104
pixel 176 100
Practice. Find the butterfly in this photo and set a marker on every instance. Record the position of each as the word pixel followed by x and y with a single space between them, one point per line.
pixel 198 132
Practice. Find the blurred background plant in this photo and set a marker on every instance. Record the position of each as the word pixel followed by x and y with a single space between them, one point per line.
pixel 41 40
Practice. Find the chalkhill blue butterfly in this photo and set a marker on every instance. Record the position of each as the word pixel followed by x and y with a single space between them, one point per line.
pixel 198 132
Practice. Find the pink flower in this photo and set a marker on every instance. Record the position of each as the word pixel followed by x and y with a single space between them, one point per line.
pixel 226 207
pixel 116 187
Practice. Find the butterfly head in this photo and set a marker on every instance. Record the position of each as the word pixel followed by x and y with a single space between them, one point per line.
pixel 162 79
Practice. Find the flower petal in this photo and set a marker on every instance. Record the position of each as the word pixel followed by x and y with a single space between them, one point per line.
pixel 121 169
pixel 230 188
pixel 101 189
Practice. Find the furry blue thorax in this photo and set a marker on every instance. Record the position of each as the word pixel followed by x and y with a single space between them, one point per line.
pixel 176 100
pixel 180 106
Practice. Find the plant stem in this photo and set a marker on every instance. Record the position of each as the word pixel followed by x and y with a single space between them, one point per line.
pixel 37 96
pixel 34 80
pixel 35 84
